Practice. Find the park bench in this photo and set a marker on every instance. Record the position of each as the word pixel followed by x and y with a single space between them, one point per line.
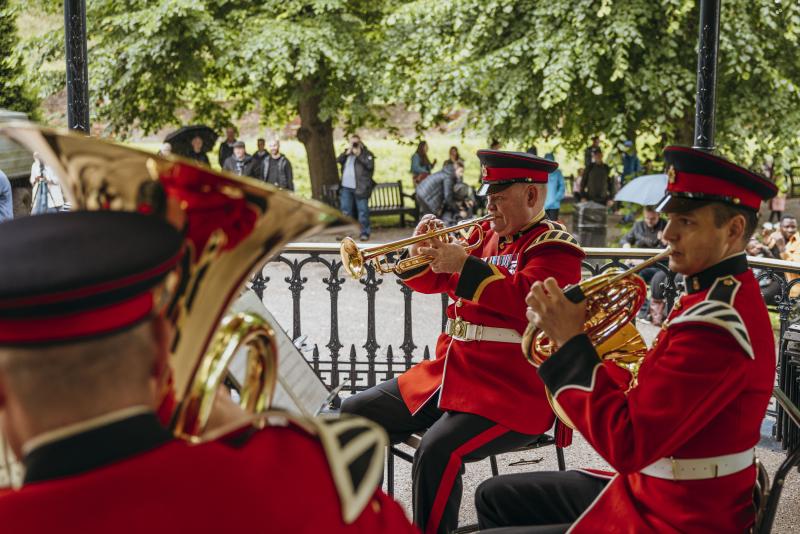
pixel 387 198
pixel 794 182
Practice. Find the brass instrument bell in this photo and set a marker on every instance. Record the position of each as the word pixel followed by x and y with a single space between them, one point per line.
pixel 231 224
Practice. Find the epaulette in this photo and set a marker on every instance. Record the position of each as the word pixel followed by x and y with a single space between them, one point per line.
pixel 556 234
pixel 554 225
pixel 354 448
pixel 717 309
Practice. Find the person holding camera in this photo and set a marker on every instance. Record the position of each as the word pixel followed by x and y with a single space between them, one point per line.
pixel 358 166
pixel 47 195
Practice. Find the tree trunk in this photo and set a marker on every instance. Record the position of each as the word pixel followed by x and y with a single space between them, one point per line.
pixel 317 136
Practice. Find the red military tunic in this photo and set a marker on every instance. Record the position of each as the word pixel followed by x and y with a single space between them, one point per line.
pixel 277 479
pixel 490 378
pixel 702 392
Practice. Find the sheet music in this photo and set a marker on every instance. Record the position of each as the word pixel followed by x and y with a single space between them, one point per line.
pixel 293 370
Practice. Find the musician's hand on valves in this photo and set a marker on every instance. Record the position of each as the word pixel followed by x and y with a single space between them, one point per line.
pixel 447 257
pixel 426 224
pixel 552 312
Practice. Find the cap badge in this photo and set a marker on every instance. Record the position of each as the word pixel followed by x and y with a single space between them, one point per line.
pixel 671 174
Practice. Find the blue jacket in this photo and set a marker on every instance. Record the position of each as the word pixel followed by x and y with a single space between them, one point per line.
pixel 6 203
pixel 555 188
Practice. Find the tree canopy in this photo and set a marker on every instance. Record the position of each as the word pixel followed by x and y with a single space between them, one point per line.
pixel 14 91
pixel 522 69
pixel 527 69
pixel 217 58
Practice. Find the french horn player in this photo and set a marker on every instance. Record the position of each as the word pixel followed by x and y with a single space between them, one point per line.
pixel 97 303
pixel 681 437
pixel 477 397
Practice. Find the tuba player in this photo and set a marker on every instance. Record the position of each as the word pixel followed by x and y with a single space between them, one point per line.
pixel 82 347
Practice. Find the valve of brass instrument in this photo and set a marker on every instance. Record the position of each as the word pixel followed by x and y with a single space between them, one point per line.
pixel 355 259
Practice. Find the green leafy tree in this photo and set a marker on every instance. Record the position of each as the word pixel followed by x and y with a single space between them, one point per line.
pixel 14 92
pixel 527 69
pixel 316 59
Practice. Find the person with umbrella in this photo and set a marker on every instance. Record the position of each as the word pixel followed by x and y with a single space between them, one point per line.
pixel 197 153
pixel 193 142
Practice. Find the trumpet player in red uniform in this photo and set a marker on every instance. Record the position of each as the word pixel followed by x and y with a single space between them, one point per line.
pixel 82 346
pixel 468 399
pixel 682 440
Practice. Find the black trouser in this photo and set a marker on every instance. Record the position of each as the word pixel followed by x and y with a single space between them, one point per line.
pixel 541 503
pixel 451 438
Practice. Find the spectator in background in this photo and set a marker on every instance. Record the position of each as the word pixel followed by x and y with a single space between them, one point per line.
pixel 647 168
pixel 47 195
pixel 770 288
pixel 453 157
pixel 631 166
pixel 421 166
pixel 357 165
pixel 6 200
pixel 226 148
pixel 597 185
pixel 576 184
pixel 646 233
pixel 532 150
pixel 495 144
pixel 591 149
pixel 165 150
pixel 435 194
pixel 261 152
pixel 790 249
pixel 241 163
pixel 780 238
pixel 555 190
pixel 276 169
pixel 197 153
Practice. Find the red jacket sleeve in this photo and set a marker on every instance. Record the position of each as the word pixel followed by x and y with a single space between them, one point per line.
pixel 696 373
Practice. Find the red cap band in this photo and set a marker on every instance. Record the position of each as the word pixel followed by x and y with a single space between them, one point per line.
pixel 687 182
pixel 501 174
pixel 77 325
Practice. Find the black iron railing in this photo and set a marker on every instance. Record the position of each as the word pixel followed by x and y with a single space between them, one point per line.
pixel 363 365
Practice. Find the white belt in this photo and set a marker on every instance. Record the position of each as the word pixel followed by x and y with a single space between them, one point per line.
pixel 463 331
pixel 700 468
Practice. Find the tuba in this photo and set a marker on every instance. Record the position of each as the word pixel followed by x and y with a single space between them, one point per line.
pixel 612 301
pixel 231 224
pixel 355 260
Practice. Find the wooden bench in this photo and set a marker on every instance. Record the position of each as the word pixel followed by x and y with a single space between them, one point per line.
pixel 794 182
pixel 387 198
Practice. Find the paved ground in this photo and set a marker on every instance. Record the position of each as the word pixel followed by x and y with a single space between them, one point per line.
pixel 315 319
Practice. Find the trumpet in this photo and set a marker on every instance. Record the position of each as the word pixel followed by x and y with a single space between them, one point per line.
pixel 612 301
pixel 355 260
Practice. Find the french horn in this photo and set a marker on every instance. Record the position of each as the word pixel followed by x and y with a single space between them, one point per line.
pixel 231 224
pixel 612 301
